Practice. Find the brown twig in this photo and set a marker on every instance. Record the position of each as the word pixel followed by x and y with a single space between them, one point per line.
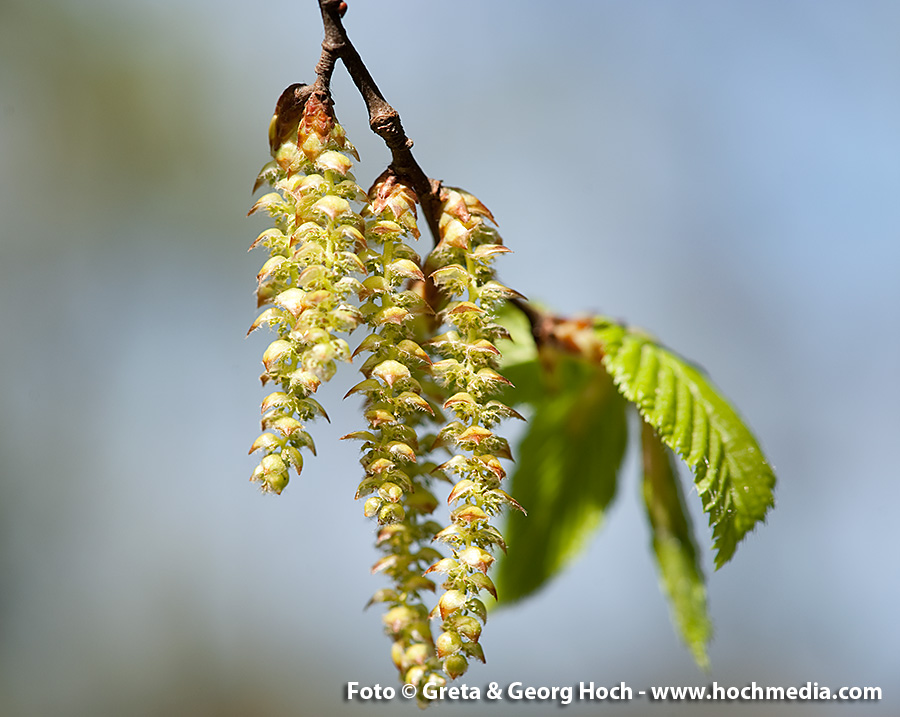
pixel 541 322
pixel 383 119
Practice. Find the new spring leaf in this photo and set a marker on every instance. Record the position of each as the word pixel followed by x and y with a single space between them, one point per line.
pixel 566 471
pixel 681 577
pixel 733 478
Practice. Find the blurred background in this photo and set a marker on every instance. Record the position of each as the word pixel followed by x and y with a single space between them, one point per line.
pixel 724 174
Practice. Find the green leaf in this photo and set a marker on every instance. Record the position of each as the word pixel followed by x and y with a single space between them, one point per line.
pixel 732 476
pixel 681 577
pixel 566 468
pixel 519 347
pixel 519 363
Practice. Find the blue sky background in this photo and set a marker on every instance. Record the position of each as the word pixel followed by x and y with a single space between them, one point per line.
pixel 723 174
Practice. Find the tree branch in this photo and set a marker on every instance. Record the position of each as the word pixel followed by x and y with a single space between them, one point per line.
pixel 383 119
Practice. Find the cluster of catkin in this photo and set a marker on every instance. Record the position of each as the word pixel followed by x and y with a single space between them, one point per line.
pixel 430 375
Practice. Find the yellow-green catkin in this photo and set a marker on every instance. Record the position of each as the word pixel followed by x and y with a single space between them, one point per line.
pixel 460 266
pixel 307 279
pixel 397 410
